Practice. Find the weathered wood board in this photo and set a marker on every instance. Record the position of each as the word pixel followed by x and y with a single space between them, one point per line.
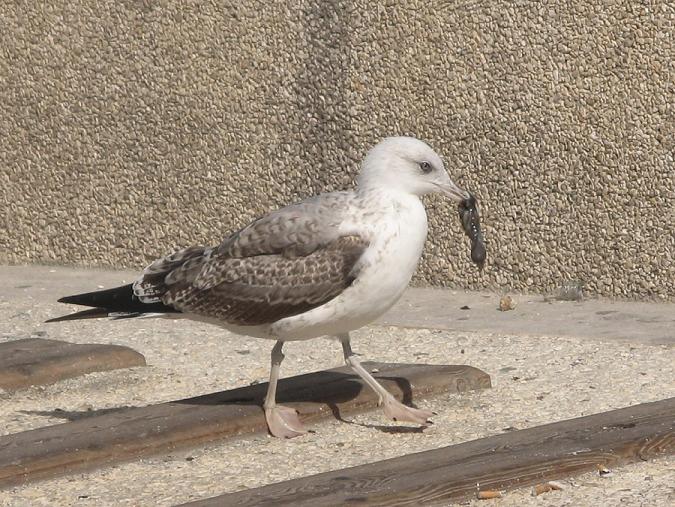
pixel 130 433
pixel 38 361
pixel 503 461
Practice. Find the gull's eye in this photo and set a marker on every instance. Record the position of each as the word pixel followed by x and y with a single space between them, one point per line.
pixel 426 167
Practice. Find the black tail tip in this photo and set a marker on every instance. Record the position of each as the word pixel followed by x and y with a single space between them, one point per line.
pixel 91 313
pixel 76 299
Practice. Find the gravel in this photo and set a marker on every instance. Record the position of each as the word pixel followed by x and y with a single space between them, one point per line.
pixel 535 381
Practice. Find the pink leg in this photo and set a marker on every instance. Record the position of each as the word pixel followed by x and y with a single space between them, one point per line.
pixel 393 408
pixel 283 422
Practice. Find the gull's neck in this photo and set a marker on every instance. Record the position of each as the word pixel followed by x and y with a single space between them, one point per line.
pixel 384 193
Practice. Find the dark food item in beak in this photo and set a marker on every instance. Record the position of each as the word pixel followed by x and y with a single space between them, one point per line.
pixel 468 214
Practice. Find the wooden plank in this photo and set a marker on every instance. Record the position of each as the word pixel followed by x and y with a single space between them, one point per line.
pixel 37 361
pixel 125 434
pixel 500 462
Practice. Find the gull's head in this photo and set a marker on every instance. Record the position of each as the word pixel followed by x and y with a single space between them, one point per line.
pixel 408 165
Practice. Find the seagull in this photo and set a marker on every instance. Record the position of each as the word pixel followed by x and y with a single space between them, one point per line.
pixel 324 266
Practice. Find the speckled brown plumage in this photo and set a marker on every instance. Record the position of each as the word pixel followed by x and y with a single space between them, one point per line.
pixel 253 290
pixel 283 264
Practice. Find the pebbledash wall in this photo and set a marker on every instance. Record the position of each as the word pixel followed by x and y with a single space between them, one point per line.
pixel 129 128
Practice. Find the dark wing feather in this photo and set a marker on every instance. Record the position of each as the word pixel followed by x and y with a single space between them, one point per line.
pixel 265 288
pixel 151 286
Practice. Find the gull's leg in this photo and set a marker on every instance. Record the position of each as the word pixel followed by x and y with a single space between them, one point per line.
pixel 283 422
pixel 393 408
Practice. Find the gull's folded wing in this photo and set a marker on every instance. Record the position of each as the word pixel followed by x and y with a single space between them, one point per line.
pixel 281 265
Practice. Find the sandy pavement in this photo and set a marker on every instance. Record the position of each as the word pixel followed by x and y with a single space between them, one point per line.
pixel 536 379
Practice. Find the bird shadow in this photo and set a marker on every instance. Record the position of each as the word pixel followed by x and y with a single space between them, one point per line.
pixel 324 387
pixel 328 388
pixel 74 415
pixel 335 390
pixel 379 427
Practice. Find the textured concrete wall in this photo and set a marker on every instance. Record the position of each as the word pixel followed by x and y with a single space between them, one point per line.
pixel 131 127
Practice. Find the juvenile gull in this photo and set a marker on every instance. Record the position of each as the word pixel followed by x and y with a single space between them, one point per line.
pixel 322 267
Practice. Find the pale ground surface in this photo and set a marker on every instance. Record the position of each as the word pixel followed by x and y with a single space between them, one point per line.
pixel 536 380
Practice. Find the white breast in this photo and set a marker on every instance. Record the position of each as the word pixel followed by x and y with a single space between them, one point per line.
pixel 397 231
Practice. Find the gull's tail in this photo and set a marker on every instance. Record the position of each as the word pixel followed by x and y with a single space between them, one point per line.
pixel 119 302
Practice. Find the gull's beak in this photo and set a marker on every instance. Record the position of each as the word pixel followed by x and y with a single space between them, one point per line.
pixel 453 191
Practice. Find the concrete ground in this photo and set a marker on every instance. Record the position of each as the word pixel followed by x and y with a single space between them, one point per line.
pixel 548 361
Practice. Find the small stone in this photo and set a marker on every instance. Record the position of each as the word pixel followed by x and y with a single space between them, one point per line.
pixel 488 494
pixel 506 303
pixel 546 487
pixel 604 471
